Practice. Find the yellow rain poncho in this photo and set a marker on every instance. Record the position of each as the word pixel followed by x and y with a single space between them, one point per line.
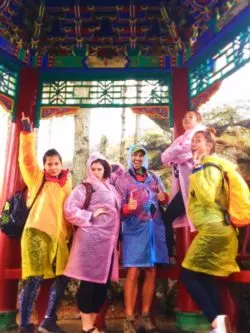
pixel 214 249
pixel 44 239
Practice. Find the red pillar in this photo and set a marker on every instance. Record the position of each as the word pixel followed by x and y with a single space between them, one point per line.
pixel 181 103
pixel 9 248
pixel 180 98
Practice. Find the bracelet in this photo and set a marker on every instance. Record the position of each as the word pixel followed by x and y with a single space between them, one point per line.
pixel 26 125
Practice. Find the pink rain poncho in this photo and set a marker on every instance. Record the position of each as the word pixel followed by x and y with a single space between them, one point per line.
pixel 180 154
pixel 95 241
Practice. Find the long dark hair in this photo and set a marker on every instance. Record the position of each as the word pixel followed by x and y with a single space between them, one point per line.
pixel 106 166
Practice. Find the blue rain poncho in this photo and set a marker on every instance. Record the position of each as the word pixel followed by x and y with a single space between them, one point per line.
pixel 143 231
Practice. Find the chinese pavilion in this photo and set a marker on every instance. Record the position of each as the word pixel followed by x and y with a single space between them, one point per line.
pixel 59 55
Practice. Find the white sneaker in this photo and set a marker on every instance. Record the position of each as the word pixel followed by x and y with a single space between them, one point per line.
pixel 223 324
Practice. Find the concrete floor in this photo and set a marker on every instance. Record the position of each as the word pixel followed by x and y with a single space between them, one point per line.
pixel 71 323
pixel 113 326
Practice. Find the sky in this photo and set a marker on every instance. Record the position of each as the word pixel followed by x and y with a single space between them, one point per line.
pixel 236 86
pixel 103 121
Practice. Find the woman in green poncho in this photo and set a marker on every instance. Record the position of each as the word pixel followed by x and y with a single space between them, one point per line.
pixel 214 249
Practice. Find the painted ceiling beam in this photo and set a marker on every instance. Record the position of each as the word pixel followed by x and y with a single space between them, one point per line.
pixel 75 74
pixel 69 3
pixel 37 27
pixel 217 41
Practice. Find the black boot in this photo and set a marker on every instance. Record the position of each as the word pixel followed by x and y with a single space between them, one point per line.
pixel 27 329
pixel 49 325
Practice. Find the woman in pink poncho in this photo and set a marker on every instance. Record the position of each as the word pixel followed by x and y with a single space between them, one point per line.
pixel 179 156
pixel 93 257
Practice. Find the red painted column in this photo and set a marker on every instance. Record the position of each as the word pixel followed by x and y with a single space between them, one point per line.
pixel 9 248
pixel 180 99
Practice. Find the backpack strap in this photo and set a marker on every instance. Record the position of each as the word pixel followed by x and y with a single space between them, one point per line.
pixel 89 192
pixel 39 190
pixel 214 165
pixel 209 164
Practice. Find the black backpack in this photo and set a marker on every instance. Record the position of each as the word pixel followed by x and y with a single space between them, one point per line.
pixel 15 213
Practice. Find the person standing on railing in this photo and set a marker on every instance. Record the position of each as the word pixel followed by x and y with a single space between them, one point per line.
pixel 214 249
pixel 179 156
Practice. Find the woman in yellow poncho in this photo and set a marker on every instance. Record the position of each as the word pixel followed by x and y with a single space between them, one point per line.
pixel 214 249
pixel 44 239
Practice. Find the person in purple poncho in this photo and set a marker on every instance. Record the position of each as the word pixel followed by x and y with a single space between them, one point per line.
pixel 94 257
pixel 143 235
pixel 117 169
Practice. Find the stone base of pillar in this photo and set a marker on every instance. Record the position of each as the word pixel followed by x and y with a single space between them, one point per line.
pixel 7 320
pixel 192 322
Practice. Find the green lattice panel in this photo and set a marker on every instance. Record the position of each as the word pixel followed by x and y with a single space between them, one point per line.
pixel 8 81
pixel 231 57
pixel 105 93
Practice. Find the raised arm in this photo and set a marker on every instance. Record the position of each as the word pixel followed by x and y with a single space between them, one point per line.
pixel 27 158
pixel 178 152
pixel 27 153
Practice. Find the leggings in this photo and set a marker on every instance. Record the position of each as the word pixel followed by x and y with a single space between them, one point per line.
pixel 203 290
pixel 91 296
pixel 175 209
pixel 29 292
